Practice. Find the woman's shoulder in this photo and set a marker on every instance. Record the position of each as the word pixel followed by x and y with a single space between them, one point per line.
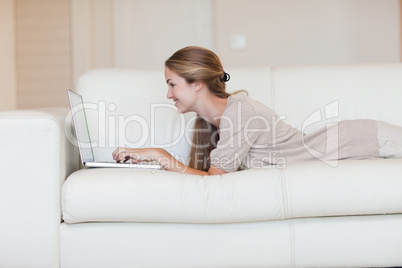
pixel 243 110
pixel 240 98
pixel 246 103
pixel 239 101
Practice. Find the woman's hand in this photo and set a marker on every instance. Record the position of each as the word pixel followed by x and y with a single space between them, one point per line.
pixel 122 154
pixel 162 157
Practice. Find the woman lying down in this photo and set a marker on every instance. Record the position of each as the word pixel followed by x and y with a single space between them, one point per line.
pixel 236 131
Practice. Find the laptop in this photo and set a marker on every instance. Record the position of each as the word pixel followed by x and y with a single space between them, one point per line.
pixel 84 139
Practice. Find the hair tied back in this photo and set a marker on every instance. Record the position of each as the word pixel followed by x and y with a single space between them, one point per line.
pixel 226 77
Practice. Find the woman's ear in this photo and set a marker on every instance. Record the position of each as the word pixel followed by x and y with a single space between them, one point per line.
pixel 198 85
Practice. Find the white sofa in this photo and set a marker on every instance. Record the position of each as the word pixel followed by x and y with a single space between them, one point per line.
pixel 315 214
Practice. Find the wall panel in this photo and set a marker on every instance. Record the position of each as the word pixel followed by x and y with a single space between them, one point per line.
pixel 148 32
pixel 8 99
pixel 92 35
pixel 43 53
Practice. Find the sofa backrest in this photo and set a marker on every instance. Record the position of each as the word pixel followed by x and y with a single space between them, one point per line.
pixel 306 94
pixel 128 107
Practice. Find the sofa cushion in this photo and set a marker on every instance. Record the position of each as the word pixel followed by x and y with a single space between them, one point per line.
pixel 313 189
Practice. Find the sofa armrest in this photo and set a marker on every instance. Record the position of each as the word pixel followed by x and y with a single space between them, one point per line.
pixel 35 159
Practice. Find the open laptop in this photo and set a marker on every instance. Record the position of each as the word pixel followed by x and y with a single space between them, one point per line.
pixel 84 139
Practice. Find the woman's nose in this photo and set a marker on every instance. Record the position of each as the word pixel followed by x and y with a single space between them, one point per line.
pixel 169 94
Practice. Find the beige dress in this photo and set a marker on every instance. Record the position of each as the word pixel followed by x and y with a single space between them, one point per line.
pixel 252 135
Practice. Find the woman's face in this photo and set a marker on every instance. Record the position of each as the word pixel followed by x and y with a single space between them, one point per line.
pixel 181 92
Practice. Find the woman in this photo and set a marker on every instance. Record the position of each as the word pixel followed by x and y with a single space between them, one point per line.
pixel 233 130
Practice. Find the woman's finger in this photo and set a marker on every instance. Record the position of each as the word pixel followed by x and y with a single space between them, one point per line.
pixel 122 155
pixel 116 152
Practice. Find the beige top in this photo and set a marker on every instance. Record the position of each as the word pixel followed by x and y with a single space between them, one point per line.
pixel 253 135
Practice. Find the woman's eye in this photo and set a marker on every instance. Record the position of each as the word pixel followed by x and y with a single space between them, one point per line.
pixel 171 85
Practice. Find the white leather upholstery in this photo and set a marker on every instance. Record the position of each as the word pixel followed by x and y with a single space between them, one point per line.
pixel 35 159
pixel 360 241
pixel 357 92
pixel 257 244
pixel 311 189
pixel 162 196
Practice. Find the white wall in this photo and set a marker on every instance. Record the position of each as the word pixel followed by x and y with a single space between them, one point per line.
pixel 7 56
pixel 290 32
pixel 143 33
pixel 148 32
pixel 92 34
pixel 136 33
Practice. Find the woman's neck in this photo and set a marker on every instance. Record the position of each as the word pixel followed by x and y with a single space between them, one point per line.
pixel 211 109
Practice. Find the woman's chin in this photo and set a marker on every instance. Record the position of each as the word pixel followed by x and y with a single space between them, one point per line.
pixel 179 110
pixel 182 110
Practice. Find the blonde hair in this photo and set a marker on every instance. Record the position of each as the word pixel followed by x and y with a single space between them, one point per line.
pixel 203 65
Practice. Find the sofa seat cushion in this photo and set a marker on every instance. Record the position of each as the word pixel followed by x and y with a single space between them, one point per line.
pixel 311 189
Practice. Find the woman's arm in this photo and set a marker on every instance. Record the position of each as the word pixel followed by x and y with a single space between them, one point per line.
pixel 162 157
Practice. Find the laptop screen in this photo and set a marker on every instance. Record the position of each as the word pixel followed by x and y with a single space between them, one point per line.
pixel 81 127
